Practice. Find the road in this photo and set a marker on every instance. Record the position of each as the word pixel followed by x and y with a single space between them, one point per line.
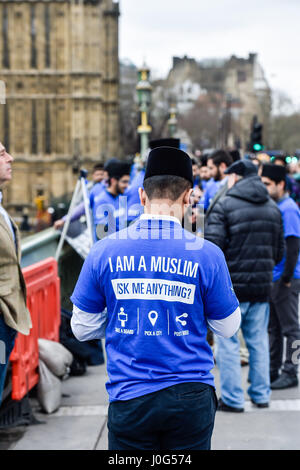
pixel 81 421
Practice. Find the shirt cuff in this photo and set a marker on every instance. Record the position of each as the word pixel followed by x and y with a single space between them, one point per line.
pixel 87 326
pixel 228 326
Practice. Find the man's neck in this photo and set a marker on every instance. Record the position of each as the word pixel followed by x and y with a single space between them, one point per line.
pixel 112 191
pixel 165 208
pixel 282 197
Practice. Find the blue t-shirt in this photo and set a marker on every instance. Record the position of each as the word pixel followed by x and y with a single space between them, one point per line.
pixel 109 210
pixel 134 207
pixel 160 284
pixel 95 193
pixel 205 183
pixel 211 189
pixel 197 180
pixel 291 223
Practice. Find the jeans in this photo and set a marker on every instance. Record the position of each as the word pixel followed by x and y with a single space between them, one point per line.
pixel 254 326
pixel 178 417
pixel 7 342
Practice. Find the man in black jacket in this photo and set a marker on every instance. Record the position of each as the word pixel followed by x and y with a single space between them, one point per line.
pixel 246 224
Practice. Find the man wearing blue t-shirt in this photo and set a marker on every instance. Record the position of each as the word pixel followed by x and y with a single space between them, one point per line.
pixel 134 208
pixel 217 163
pixel 109 210
pixel 284 316
pixel 162 286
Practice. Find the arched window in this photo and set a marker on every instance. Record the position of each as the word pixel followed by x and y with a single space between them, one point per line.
pixel 33 129
pixel 33 37
pixel 47 37
pixel 5 53
pixel 47 129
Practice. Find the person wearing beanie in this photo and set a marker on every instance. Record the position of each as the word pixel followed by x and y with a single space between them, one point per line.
pixel 134 207
pixel 284 316
pixel 247 226
pixel 161 286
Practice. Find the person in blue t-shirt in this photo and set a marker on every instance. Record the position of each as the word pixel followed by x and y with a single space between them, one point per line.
pixel 95 186
pixel 204 173
pixel 284 316
pixel 217 163
pixel 134 208
pixel 108 207
pixel 161 286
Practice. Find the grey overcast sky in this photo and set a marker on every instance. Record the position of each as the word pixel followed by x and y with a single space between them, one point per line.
pixel 156 30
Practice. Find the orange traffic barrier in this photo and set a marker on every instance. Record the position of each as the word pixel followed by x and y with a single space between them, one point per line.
pixel 43 302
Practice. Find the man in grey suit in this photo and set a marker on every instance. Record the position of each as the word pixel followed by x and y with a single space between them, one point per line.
pixel 14 315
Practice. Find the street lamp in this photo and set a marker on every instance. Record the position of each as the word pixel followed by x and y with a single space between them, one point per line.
pixel 172 121
pixel 144 90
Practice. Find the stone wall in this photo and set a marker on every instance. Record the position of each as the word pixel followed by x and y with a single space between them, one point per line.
pixel 59 62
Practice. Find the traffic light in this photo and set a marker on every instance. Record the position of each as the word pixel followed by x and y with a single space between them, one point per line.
pixel 256 144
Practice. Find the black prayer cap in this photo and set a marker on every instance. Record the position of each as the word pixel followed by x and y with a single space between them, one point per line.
pixel 108 163
pixel 169 161
pixel 118 169
pixel 168 142
pixel 274 172
pixel 243 168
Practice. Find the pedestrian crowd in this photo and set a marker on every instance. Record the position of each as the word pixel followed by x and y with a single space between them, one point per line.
pixel 248 207
pixel 241 216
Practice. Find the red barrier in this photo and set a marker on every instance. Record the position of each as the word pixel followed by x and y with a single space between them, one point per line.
pixel 43 301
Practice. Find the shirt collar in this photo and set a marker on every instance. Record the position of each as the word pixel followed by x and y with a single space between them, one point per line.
pixel 159 217
pixel 284 197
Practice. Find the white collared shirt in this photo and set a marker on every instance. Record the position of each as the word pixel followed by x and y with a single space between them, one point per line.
pixel 6 217
pixel 171 218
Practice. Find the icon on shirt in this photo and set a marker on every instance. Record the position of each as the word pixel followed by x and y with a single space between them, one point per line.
pixel 123 317
pixel 183 322
pixel 153 315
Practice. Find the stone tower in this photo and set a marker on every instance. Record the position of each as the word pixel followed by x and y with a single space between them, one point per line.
pixel 59 65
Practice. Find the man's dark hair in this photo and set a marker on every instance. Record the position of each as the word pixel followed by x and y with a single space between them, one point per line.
pixel 98 166
pixel 221 156
pixel 203 160
pixel 117 170
pixel 280 158
pixel 235 154
pixel 166 187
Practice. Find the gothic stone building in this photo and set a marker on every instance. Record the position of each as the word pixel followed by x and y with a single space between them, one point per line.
pixel 59 65
pixel 240 81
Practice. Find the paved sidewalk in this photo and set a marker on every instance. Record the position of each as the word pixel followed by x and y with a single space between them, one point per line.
pixel 81 421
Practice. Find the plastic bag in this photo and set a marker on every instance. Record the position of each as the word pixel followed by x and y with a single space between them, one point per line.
pixel 56 357
pixel 48 389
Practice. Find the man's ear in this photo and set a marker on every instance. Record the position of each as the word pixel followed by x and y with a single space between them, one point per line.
pixel 143 196
pixel 282 185
pixel 187 196
pixel 222 167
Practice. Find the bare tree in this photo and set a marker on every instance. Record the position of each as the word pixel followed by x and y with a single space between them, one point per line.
pixel 202 122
